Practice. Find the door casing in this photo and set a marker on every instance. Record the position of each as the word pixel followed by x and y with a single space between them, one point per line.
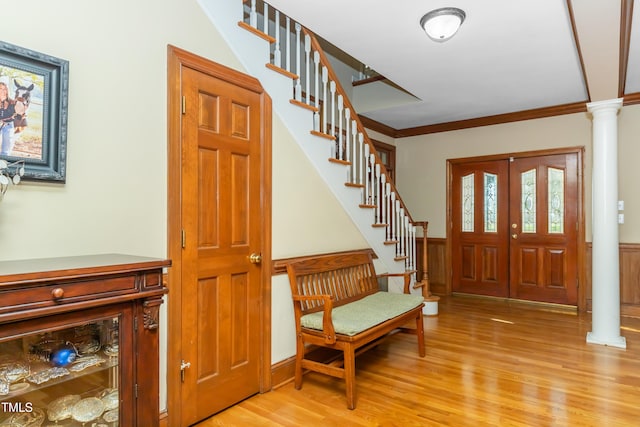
pixel 178 58
pixel 581 245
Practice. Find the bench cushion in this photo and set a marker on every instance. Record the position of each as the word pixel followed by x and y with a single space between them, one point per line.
pixel 355 317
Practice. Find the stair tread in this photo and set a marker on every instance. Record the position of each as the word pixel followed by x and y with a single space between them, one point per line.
pixel 257 32
pixel 282 71
pixel 322 135
pixel 303 105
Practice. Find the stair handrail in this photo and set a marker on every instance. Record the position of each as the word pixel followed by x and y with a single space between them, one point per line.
pixel 339 89
pixel 394 215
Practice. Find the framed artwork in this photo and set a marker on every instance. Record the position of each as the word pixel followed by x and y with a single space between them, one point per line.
pixel 33 112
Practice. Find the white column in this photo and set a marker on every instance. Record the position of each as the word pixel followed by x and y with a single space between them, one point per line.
pixel 605 328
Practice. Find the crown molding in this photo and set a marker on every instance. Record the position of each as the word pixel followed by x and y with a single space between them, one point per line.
pixel 537 113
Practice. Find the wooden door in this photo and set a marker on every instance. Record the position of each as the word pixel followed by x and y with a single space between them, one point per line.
pixel 544 226
pixel 480 215
pixel 515 225
pixel 222 214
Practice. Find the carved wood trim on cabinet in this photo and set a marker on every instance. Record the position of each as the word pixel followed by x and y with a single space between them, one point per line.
pixel 57 294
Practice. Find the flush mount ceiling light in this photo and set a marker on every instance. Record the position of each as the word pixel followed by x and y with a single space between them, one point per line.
pixel 442 24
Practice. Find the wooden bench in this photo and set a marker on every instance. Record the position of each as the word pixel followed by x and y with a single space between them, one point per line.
pixel 338 305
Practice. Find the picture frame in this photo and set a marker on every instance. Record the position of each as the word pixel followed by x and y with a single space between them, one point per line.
pixel 33 113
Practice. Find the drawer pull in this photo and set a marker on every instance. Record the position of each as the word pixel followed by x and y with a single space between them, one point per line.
pixel 57 293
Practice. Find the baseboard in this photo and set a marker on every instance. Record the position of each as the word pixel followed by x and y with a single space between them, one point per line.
pixel 164 419
pixel 283 372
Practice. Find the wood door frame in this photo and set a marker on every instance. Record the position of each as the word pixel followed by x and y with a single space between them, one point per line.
pixel 176 59
pixel 581 244
pixel 391 152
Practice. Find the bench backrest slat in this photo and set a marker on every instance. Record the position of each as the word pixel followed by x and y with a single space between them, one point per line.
pixel 346 276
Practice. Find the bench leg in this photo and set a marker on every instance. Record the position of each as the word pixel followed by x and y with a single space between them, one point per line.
pixel 420 334
pixel 350 376
pixel 299 357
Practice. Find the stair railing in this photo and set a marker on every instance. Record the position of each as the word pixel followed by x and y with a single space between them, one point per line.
pixel 296 52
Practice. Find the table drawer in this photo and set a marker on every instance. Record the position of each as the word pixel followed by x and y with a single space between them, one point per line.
pixel 65 292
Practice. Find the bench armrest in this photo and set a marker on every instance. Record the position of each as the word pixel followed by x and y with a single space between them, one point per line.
pixel 327 323
pixel 406 275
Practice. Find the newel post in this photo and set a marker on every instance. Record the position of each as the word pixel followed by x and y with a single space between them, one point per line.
pixel 430 301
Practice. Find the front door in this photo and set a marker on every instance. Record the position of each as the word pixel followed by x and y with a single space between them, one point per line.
pixel 544 228
pixel 515 227
pixel 223 293
pixel 480 237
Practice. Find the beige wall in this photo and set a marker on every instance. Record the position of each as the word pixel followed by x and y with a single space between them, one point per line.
pixel 629 172
pixel 421 162
pixel 115 198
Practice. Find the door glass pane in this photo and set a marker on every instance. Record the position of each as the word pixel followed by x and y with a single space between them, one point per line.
pixel 384 158
pixel 556 200
pixel 467 202
pixel 528 203
pixel 490 202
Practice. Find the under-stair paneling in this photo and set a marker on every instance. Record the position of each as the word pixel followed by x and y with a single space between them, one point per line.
pixel 437 268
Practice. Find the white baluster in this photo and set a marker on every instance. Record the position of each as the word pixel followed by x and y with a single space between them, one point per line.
pixel 253 16
pixel 365 174
pixel 287 45
pixel 361 159
pixel 298 89
pixel 332 89
pixel 325 80
pixel 307 62
pixel 340 138
pixel 387 203
pixel 377 192
pixel 400 211
pixel 347 135
pixel 405 252
pixel 383 199
pixel 372 178
pixel 354 152
pixel 316 115
pixel 277 59
pixel 410 241
pixel 392 215
pixel 265 25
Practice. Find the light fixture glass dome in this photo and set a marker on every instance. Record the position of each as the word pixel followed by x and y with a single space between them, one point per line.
pixel 441 24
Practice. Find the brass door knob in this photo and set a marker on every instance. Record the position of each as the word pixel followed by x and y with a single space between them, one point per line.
pixel 514 235
pixel 255 258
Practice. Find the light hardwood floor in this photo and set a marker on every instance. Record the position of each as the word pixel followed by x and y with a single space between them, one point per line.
pixel 488 363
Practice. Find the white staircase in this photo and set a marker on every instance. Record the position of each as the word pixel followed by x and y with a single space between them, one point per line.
pixel 386 229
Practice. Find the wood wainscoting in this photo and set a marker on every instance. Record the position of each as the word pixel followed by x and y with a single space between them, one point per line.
pixel 629 278
pixel 629 273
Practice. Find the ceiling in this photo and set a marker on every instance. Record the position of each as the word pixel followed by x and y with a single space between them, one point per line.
pixel 510 60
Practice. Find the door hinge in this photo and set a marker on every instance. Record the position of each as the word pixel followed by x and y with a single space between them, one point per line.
pixel 135 324
pixel 135 390
pixel 183 366
pixel 184 104
pixel 184 239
